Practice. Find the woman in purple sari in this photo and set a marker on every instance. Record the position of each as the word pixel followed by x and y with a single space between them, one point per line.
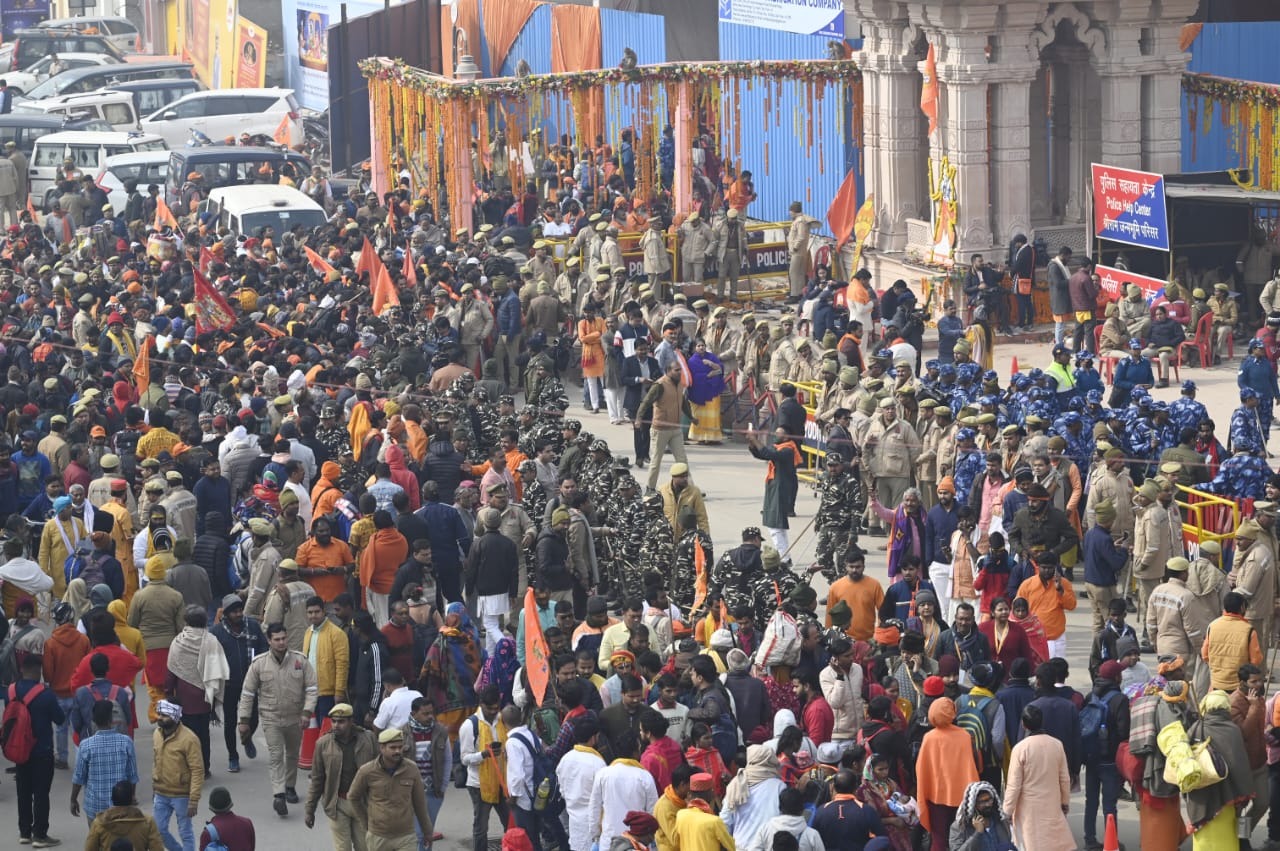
pixel 704 394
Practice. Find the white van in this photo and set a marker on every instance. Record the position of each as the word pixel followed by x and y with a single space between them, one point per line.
pixel 115 108
pixel 120 32
pixel 86 150
pixel 219 113
pixel 248 209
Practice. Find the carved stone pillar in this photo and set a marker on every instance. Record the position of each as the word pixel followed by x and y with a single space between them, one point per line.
pixel 965 129
pixel 1011 188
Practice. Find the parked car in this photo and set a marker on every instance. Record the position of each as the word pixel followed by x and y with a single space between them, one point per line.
pixel 219 113
pixel 85 150
pixel 230 165
pixel 23 81
pixel 91 79
pixel 28 45
pixel 118 31
pixel 248 209
pixel 145 167
pixel 150 95
pixel 114 108
pixel 23 129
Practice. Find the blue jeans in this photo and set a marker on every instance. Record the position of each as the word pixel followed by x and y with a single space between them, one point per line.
pixel 161 809
pixel 1101 776
pixel 434 805
pixel 61 734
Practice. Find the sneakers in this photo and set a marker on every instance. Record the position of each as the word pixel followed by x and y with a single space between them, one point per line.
pixel 233 766
pixel 61 764
pixel 24 840
pixel 250 749
pixel 45 842
pixel 290 794
pixel 279 806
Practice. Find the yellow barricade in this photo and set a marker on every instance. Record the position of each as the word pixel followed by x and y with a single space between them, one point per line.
pixel 809 395
pixel 1208 517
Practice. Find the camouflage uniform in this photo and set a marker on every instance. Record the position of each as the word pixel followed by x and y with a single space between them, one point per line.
pixel 841 500
pixel 766 593
pixel 549 395
pixel 733 574
pixel 336 440
pixel 657 552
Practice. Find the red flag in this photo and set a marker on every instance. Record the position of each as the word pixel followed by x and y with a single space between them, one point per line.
pixel 142 367
pixel 537 656
pixel 164 216
pixel 213 313
pixel 317 262
pixel 929 92
pixel 844 209
pixel 384 291
pixel 409 272
pixel 206 258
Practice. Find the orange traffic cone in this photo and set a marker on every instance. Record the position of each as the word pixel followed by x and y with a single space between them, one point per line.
pixel 310 736
pixel 1014 370
pixel 1111 840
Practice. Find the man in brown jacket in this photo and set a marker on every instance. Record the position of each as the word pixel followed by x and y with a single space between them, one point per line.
pixel 1248 711
pixel 339 754
pixel 177 774
pixel 664 403
pixel 387 795
pixel 124 821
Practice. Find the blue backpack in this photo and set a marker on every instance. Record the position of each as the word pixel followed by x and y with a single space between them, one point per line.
pixel 215 841
pixel 1094 717
pixel 546 786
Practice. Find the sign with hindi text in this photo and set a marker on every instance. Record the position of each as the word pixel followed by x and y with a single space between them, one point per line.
pixel 1129 207
pixel 1114 279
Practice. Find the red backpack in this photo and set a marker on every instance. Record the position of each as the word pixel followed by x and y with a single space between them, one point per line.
pixel 17 738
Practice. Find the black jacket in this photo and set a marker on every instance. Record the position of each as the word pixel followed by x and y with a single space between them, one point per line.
pixel 553 560
pixel 632 381
pixel 372 662
pixel 240 649
pixel 443 465
pixel 492 566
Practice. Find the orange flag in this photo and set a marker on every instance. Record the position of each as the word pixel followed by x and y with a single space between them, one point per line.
pixel 391 220
pixel 164 216
pixel 384 291
pixel 206 258
pixel 929 93
pixel 35 217
pixel 142 367
pixel 700 578
pixel 844 209
pixel 282 132
pixel 537 656
pixel 409 272
pixel 317 262
pixel 369 262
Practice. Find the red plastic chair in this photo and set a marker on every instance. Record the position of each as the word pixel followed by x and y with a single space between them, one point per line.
pixel 1105 361
pixel 1201 343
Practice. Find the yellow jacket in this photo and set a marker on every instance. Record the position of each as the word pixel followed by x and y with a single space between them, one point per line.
pixel 54 550
pixel 332 658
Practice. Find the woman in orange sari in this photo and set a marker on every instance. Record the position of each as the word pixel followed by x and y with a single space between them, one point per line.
pixel 591 330
pixel 1034 630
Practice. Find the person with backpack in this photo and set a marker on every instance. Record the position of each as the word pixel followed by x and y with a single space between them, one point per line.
pixel 98 689
pixel 63 650
pixel 1104 724
pixel 226 831
pixel 124 822
pixel 26 739
pixel 981 715
pixel 532 782
pixel 103 760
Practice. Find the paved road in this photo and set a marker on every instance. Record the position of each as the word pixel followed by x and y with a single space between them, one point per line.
pixel 733 482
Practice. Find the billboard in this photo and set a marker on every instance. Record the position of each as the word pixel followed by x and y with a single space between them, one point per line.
pixel 306 45
pixel 807 17
pixel 20 14
pixel 1129 207
pixel 251 55
pixel 1113 279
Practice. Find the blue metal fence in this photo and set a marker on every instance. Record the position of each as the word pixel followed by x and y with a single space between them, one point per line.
pixel 1237 50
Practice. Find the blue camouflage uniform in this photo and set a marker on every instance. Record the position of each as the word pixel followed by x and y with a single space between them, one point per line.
pixel 1246 424
pixel 1185 411
pixel 969 465
pixel 1259 374
pixel 1243 476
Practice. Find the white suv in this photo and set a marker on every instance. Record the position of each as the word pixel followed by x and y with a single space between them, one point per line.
pixel 219 113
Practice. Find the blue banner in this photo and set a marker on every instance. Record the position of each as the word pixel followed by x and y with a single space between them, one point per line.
pixel 807 17
pixel 1129 207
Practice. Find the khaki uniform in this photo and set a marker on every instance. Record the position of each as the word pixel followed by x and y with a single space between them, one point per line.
pixel 798 246
pixel 544 269
pixel 1225 317
pixel 1118 488
pixel 731 250
pixel 889 460
pixel 289 609
pixel 474 320
pixel 326 774
pixel 656 260
pixel 180 504
pixel 610 254
pixel 724 343
pixel 262 578
pixel 696 242
pixel 285 689
pixel 1177 625
pixel 1154 543
pixel 1253 576
pixel 780 361
pixel 387 804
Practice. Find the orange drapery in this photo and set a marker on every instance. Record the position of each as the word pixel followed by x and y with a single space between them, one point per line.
pixel 844 209
pixel 503 22
pixel 575 46
pixel 468 21
pixel 1188 35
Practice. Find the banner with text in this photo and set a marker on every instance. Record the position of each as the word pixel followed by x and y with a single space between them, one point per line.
pixel 251 54
pixel 1129 207
pixel 807 17
pixel 1113 281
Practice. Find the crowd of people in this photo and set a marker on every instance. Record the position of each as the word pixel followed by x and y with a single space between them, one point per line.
pixel 282 481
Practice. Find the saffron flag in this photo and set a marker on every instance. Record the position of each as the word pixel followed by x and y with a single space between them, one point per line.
pixel 384 291
pixel 369 263
pixel 317 262
pixel 686 376
pixel 391 219
pixel 164 216
pixel 929 92
pixel 844 209
pixel 537 656
pixel 700 578
pixel 206 259
pixel 409 272
pixel 282 132
pixel 35 217
pixel 142 367
pixel 213 313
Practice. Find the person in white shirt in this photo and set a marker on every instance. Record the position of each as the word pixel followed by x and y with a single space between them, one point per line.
pixel 397 706
pixel 478 740
pixel 618 789
pixel 524 748
pixel 576 773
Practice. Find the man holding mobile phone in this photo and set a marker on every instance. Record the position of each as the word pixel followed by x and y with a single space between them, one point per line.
pixel 1248 712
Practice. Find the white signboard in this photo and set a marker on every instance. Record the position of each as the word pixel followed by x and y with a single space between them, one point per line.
pixel 808 17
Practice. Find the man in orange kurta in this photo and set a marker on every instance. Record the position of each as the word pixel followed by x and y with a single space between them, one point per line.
pixel 944 769
pixel 1050 597
pixel 861 593
pixel 379 561
pixel 324 561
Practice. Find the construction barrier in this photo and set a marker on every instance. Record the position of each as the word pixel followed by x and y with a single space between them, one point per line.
pixel 1209 517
